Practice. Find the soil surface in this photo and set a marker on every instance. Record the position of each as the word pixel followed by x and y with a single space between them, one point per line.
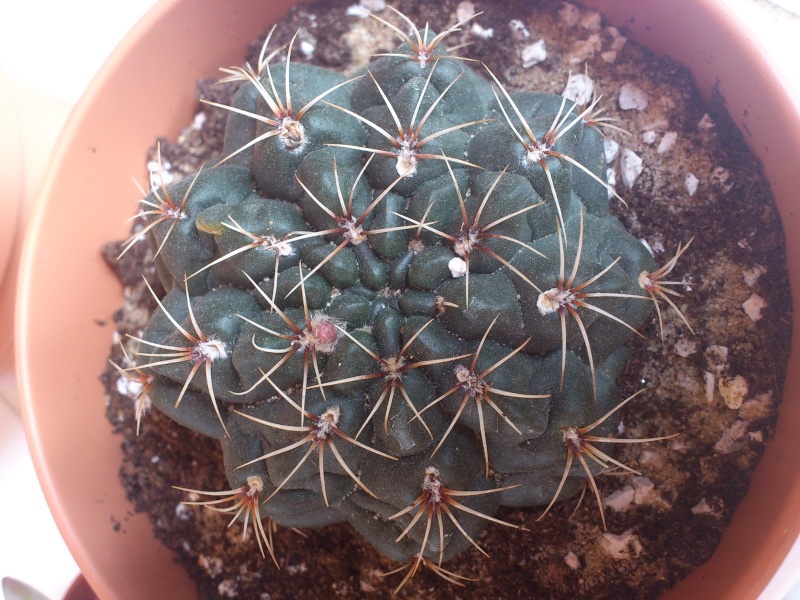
pixel 718 385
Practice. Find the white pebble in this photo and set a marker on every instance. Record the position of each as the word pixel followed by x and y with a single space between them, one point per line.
pixel 705 123
pixel 685 347
pixel 584 50
pixel 307 48
pixel 642 487
pixel 648 137
pixel 518 29
pixel 720 176
pixel 611 150
pixel 750 276
pixel 228 588
pixel 465 10
pixel 482 32
pixel 611 178
pixel 572 560
pixel 709 381
pixel 732 438
pixel 620 500
pixel 182 512
pixel 632 98
pixel 756 436
pixel 373 5
pixel 579 89
pixel 357 11
pixel 570 14
pixel 631 167
pixel 457 266
pixel 717 358
pixel 533 54
pixel 753 306
pixel 199 120
pixel 619 546
pixel 128 387
pixel 610 56
pixel 591 22
pixel 702 508
pixel 690 182
pixel 757 408
pixel 619 43
pixel 667 142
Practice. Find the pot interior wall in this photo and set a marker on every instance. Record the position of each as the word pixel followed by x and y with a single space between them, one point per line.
pixel 145 90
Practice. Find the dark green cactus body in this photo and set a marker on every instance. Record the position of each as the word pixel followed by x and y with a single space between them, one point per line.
pixel 381 295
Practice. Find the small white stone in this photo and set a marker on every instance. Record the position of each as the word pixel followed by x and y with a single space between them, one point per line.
pixel 631 167
pixel 457 266
pixel 182 512
pixel 128 387
pixel 611 178
pixel 611 150
pixel 584 50
pixel 533 54
pixel 465 10
pixel 570 14
pixel 373 5
pixel 518 29
pixel 721 177
pixel 579 89
pixel 756 436
pixel 732 438
pixel 757 408
pixel 199 120
pixel 228 588
pixel 572 560
pixel 307 48
pixel 750 276
pixel 649 137
pixel 620 500
pixel 702 508
pixel 592 21
pixel 632 98
pixel 733 391
pixel 648 457
pixel 685 347
pixel 709 381
pixel 690 182
pixel 642 487
pixel 619 546
pixel 717 358
pixel 667 143
pixel 705 123
pixel 619 43
pixel 753 306
pixel 356 10
pixel 610 56
pixel 481 32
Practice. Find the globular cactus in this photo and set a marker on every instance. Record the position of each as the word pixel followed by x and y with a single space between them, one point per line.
pixel 398 300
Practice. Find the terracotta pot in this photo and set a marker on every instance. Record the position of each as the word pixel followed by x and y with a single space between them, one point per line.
pixel 68 294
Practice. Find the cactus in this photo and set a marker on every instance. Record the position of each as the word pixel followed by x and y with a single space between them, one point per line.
pixel 402 305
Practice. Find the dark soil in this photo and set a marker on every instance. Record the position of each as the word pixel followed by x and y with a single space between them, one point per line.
pixel 697 479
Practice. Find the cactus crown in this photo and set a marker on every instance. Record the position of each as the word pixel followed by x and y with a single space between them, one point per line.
pixel 401 305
